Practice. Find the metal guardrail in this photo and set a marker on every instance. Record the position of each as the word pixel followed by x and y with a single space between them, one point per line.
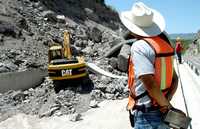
pixel 194 64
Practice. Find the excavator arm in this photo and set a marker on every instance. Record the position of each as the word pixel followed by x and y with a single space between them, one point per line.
pixel 66 45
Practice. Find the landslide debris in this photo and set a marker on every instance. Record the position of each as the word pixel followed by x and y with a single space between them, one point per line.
pixel 27 28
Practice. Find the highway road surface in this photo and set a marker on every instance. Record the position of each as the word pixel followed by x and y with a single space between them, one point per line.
pixel 112 114
pixel 191 90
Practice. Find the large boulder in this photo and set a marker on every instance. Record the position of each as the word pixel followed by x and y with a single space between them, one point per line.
pixel 22 23
pixel 49 16
pixel 95 34
pixel 7 67
pixel 8 29
pixel 123 58
pixel 61 18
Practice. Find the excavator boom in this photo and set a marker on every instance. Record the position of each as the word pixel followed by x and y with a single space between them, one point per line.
pixel 66 45
pixel 66 66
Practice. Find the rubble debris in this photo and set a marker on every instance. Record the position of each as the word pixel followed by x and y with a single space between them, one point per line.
pixel 75 117
pixel 93 104
pixel 27 28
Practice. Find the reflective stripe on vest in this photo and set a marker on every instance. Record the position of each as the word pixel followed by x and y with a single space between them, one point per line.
pixel 163 67
pixel 163 61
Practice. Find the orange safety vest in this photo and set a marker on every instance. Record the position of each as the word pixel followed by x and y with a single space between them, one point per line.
pixel 163 68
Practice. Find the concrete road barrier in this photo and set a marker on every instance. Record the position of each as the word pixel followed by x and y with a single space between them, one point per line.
pixel 194 64
pixel 194 67
pixel 21 80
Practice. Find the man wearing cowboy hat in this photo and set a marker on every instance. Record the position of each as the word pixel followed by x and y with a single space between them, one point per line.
pixel 152 81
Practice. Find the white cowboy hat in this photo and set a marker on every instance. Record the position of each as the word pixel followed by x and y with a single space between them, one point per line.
pixel 143 21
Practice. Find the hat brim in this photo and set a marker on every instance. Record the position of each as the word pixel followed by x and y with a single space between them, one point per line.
pixel 155 29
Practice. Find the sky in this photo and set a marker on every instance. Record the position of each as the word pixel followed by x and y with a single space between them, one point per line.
pixel 181 16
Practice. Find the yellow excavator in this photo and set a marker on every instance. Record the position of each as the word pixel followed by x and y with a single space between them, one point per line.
pixel 62 64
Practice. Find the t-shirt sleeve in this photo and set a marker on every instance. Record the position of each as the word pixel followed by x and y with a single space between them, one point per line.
pixel 143 57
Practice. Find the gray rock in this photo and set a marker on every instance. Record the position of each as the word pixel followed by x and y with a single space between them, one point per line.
pixel 36 4
pixel 58 39
pixel 18 96
pixel 106 80
pixel 91 15
pixel 117 94
pixel 72 111
pixel 96 94
pixel 75 117
pixel 8 29
pixel 110 68
pixel 88 11
pixel 123 58
pixel 115 42
pixel 49 15
pixel 4 69
pixel 109 96
pixel 101 87
pixel 68 104
pixel 49 113
pixel 110 89
pixel 113 62
pixel 79 43
pixel 22 23
pixel 87 50
pixel 60 18
pixel 119 86
pixel 95 34
pixel 93 104
pixel 1 40
pixel 7 67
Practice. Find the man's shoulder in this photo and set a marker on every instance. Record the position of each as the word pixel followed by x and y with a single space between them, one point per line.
pixel 140 42
pixel 141 45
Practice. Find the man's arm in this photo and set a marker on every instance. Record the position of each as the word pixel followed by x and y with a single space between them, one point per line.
pixel 154 90
pixel 173 87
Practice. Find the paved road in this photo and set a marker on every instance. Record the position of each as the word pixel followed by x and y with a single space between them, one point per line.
pixel 109 115
pixel 191 88
pixel 112 114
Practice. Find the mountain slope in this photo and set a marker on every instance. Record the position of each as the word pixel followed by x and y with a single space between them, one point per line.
pixel 183 35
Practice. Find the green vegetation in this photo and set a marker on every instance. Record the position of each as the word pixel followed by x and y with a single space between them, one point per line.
pixel 183 35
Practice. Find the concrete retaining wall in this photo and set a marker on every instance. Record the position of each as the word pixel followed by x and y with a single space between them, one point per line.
pixel 21 80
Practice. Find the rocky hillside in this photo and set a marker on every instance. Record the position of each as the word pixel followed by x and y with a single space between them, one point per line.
pixel 194 49
pixel 27 28
pixel 183 35
pixel 196 42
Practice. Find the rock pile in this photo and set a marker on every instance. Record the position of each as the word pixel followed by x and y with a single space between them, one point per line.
pixel 27 28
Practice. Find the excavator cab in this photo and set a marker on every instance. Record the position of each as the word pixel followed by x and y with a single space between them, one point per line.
pixel 55 52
